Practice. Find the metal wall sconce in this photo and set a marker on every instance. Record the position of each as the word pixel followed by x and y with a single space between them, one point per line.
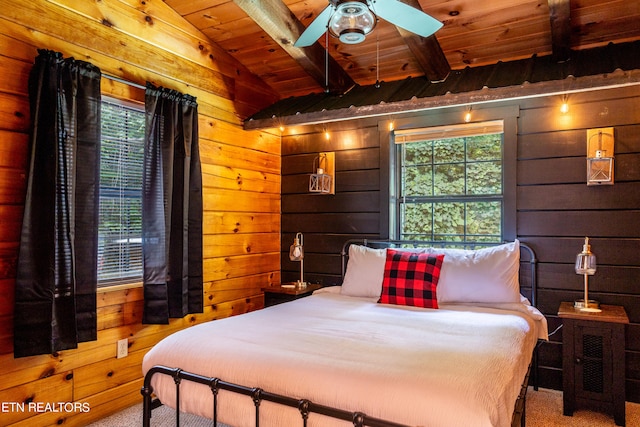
pixel 323 180
pixel 600 144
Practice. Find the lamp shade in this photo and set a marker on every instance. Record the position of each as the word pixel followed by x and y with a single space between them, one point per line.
pixel 296 250
pixel 351 22
pixel 586 260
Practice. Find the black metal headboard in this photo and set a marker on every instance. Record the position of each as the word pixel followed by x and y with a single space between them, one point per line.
pixel 530 254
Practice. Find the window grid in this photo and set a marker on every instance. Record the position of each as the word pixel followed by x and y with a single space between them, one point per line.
pixel 466 201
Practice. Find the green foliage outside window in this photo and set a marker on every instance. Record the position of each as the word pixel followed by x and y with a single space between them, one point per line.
pixel 451 189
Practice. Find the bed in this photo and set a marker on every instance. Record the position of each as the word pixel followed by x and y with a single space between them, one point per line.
pixel 450 354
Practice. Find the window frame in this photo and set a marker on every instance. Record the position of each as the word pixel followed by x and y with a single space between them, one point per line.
pixel 389 221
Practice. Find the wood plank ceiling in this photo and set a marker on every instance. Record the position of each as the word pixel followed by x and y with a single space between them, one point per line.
pixel 260 35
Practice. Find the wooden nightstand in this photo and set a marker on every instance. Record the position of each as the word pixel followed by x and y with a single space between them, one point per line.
pixel 593 360
pixel 277 294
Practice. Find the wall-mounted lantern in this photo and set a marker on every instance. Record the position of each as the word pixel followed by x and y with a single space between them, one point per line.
pixel 600 143
pixel 322 181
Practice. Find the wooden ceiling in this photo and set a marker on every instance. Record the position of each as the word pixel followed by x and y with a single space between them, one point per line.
pixel 260 35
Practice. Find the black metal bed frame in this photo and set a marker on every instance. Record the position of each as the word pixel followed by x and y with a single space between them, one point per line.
pixel 305 406
pixel 258 395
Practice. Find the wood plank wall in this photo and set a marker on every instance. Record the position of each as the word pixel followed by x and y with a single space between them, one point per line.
pixel 555 208
pixel 137 41
pixel 328 220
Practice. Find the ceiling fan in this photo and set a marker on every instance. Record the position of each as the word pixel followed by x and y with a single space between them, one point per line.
pixel 352 20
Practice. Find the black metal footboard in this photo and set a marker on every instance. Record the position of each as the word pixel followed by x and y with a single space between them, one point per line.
pixel 306 407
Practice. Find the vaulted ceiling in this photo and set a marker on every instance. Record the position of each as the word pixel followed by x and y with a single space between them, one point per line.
pixel 260 35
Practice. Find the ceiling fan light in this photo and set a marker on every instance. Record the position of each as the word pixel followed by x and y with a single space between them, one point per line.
pixel 351 22
pixel 352 36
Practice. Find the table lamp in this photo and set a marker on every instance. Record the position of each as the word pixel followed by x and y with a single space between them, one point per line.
pixel 586 265
pixel 296 253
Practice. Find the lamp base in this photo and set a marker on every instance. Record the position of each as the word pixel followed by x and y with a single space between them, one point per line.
pixel 592 306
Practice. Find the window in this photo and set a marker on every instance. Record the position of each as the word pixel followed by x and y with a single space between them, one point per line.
pixel 120 220
pixel 450 183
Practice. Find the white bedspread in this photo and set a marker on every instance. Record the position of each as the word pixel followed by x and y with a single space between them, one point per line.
pixel 456 366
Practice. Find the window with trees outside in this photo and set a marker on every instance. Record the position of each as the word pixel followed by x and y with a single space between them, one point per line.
pixel 450 183
pixel 120 216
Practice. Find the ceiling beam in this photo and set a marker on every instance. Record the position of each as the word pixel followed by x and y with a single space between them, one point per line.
pixel 275 18
pixel 427 51
pixel 560 17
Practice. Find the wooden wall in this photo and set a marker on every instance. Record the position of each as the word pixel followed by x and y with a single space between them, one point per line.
pixel 137 41
pixel 328 220
pixel 145 40
pixel 555 207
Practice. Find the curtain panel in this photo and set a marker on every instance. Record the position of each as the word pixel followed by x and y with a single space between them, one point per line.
pixel 55 295
pixel 171 207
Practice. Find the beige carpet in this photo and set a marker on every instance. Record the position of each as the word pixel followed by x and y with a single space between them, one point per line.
pixel 544 409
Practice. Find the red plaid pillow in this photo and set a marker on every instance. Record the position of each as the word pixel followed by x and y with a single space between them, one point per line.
pixel 411 279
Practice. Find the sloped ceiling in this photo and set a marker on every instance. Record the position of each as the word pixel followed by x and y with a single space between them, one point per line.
pixel 476 33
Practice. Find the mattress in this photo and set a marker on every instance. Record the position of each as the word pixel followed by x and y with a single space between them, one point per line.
pixel 453 366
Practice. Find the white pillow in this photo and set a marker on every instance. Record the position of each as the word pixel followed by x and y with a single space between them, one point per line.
pixel 365 271
pixel 488 275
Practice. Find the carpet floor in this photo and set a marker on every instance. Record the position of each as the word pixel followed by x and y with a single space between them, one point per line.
pixel 544 409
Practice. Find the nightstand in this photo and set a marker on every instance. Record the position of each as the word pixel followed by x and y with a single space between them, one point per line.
pixel 278 294
pixel 593 360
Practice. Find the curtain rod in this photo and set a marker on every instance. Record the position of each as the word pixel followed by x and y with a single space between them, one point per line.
pixel 121 80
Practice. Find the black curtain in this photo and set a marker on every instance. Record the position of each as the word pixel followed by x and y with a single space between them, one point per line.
pixel 171 207
pixel 55 296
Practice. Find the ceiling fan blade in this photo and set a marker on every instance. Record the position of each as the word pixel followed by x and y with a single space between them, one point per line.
pixel 405 16
pixel 316 28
